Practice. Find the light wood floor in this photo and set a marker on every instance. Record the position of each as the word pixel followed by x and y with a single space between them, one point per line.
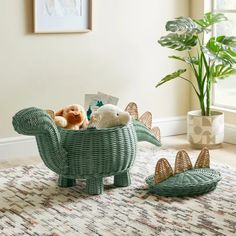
pixel 226 154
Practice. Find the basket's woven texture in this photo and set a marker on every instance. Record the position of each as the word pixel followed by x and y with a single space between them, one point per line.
pixel 132 108
pixel 89 154
pixel 188 183
pixel 98 153
pixel 157 133
pixel 146 119
pixel 163 170
pixel 203 160
pixel 144 124
pixel 182 162
pixel 144 134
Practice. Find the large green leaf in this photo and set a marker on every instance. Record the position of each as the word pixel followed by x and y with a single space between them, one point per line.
pixel 179 42
pixel 225 42
pixel 183 24
pixel 221 56
pixel 222 71
pixel 228 41
pixel 189 60
pixel 222 48
pixel 172 76
pixel 209 19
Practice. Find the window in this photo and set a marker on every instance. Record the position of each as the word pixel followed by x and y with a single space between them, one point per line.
pixel 224 94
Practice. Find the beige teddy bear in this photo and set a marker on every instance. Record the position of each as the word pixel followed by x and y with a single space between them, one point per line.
pixel 71 117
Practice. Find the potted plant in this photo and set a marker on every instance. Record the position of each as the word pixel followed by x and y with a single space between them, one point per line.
pixel 208 61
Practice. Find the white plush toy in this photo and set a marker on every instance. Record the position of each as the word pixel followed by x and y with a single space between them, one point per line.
pixel 108 116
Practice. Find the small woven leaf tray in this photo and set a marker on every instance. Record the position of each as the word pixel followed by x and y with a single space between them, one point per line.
pixel 189 183
pixel 184 180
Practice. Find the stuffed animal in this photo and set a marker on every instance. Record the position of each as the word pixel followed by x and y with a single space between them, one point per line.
pixel 71 117
pixel 109 116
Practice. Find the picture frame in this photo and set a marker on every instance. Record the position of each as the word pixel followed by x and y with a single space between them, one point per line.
pixel 62 16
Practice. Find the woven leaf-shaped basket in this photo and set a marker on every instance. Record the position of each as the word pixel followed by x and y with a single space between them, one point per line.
pixel 163 170
pixel 146 119
pixel 132 108
pixel 182 162
pixel 156 131
pixel 203 160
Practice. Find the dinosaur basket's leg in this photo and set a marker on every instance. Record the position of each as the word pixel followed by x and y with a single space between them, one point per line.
pixel 65 182
pixel 122 180
pixel 94 186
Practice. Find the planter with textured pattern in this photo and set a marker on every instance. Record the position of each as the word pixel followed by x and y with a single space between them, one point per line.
pixel 205 131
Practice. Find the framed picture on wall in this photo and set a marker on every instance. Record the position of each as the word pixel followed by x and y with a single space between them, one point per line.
pixel 62 16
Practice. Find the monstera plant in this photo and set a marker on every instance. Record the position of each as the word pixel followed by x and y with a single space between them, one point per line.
pixel 208 60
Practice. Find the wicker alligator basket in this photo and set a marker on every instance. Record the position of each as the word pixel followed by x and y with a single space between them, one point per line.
pixel 89 154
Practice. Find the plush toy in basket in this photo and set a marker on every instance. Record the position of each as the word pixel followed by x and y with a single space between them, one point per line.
pixel 184 180
pixel 70 117
pixel 108 116
pixel 90 153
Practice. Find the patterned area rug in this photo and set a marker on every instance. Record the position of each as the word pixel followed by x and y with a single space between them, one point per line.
pixel 32 204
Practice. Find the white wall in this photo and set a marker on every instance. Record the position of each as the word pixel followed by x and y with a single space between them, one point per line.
pixel 120 56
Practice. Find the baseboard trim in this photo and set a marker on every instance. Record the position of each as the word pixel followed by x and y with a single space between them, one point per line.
pixel 25 146
pixel 230 133
pixel 178 125
pixel 17 147
pixel 171 125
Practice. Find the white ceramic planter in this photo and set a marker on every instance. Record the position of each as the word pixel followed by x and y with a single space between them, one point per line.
pixel 205 131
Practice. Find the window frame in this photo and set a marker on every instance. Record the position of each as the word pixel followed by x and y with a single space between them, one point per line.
pixel 210 6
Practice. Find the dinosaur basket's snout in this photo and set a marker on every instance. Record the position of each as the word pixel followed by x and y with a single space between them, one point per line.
pixel 28 121
pixel 21 121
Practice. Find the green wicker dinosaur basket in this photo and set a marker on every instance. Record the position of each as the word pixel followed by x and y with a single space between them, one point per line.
pixel 186 180
pixel 89 154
